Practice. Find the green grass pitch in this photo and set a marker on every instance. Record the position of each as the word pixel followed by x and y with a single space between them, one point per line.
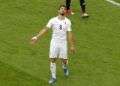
pixel 96 63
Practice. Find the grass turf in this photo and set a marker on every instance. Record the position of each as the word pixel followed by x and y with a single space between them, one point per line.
pixel 96 62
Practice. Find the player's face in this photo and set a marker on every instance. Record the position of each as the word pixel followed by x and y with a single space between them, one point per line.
pixel 62 11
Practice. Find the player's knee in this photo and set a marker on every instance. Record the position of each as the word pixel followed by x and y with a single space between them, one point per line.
pixel 65 61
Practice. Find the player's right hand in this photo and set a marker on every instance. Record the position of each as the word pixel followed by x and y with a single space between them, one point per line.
pixel 33 40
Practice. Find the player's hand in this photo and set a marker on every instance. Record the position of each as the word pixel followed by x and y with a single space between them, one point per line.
pixel 72 49
pixel 34 40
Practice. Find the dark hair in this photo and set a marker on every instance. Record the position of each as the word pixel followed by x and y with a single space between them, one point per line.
pixel 62 6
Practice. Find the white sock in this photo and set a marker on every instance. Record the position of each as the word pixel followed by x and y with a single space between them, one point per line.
pixel 53 69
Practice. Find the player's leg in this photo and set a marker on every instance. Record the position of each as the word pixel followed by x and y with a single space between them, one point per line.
pixel 65 66
pixel 53 70
pixel 53 53
pixel 82 4
pixel 68 10
pixel 68 2
pixel 83 8
pixel 63 56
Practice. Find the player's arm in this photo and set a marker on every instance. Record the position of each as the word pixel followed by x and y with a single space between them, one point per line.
pixel 39 35
pixel 42 32
pixel 71 41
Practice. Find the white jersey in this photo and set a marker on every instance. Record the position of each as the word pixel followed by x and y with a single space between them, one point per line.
pixel 59 28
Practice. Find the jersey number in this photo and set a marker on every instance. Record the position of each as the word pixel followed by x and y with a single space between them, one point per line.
pixel 60 27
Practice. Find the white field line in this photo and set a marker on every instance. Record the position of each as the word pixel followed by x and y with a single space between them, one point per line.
pixel 113 2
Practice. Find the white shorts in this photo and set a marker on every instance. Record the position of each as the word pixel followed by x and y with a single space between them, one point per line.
pixel 58 49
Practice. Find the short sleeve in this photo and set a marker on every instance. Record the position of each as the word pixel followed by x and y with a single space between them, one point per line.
pixel 69 26
pixel 49 24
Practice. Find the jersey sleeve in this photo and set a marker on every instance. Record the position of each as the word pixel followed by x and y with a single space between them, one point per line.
pixel 49 24
pixel 69 26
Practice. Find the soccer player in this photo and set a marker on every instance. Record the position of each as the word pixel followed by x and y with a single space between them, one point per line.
pixel 62 32
pixel 82 5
